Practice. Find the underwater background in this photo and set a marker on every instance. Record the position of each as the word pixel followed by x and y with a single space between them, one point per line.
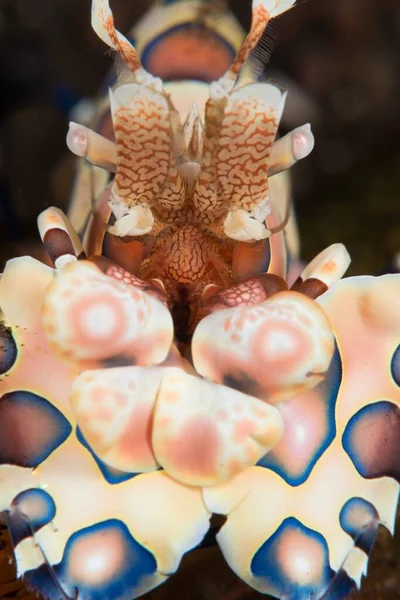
pixel 340 61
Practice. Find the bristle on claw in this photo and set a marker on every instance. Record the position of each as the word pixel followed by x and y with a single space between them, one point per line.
pixel 262 12
pixel 261 54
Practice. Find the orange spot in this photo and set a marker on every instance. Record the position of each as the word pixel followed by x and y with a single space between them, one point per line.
pixel 164 422
pixel 239 325
pixel 258 412
pixel 251 453
pixel 140 315
pixel 227 324
pixel 121 400
pixel 233 467
pixel 243 430
pixel 329 267
pixel 236 338
pixel 136 296
pixel 170 396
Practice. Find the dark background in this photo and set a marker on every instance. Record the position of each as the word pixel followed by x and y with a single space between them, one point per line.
pixel 344 55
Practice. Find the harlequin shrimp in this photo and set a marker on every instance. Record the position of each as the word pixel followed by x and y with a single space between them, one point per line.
pixel 165 370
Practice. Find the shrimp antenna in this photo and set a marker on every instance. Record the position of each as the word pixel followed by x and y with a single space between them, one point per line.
pixel 262 12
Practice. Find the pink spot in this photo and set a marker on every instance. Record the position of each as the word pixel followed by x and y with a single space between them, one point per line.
pixel 227 324
pixel 98 394
pixel 101 340
pixel 195 449
pixel 66 294
pixel 104 414
pixel 305 430
pixel 278 349
pixel 135 442
pixel 235 338
pixel 222 414
pixel 96 558
pixel 300 557
pixel 121 401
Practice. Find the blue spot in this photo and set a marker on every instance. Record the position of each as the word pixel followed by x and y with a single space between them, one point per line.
pixel 267 566
pixel 372 440
pixel 111 475
pixel 8 349
pixel 120 581
pixel 30 511
pixel 328 390
pixel 31 429
pixel 395 366
pixel 43 581
pixel 340 588
pixel 360 520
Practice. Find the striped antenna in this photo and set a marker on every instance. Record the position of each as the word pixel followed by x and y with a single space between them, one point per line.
pixel 262 12
pixel 103 25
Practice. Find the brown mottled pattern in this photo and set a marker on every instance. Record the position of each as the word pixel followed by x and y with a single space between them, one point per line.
pixel 247 134
pixel 251 291
pixel 259 22
pixel 174 193
pixel 126 50
pixel 143 147
pixel 146 163
pixel 188 255
pixel 206 193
